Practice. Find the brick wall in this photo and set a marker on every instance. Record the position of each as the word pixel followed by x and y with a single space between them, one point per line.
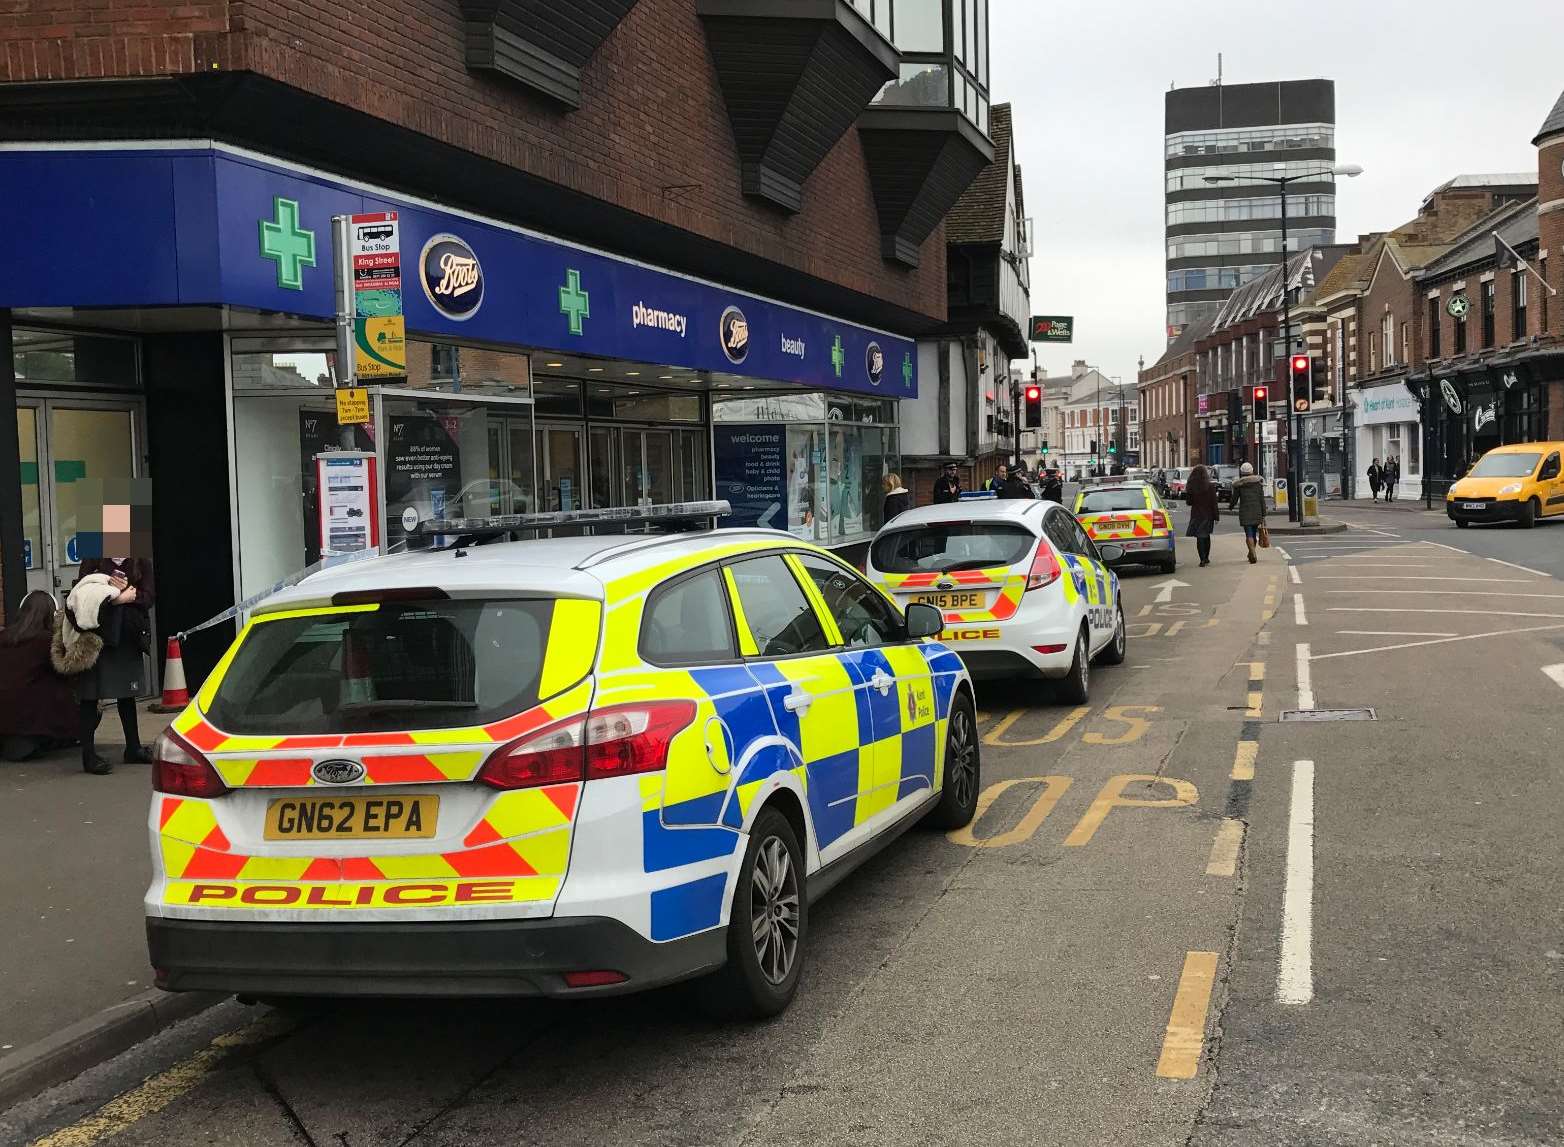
pixel 1550 221
pixel 652 135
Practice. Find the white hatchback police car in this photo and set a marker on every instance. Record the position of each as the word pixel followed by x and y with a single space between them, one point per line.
pixel 1022 589
pixel 575 766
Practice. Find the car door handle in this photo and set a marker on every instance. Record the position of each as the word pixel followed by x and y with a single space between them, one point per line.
pixel 882 681
pixel 797 702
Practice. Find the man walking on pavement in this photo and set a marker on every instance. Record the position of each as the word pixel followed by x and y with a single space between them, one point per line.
pixel 1249 501
pixel 947 487
pixel 1392 476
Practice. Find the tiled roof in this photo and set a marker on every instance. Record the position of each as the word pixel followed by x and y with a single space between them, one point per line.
pixel 979 215
pixel 1348 272
pixel 1555 121
pixel 1515 223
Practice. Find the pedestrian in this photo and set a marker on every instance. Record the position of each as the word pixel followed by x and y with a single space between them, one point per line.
pixel 996 484
pixel 37 704
pixel 1376 475
pixel 1016 486
pixel 947 487
pixel 1392 476
pixel 111 603
pixel 1200 494
pixel 1249 501
pixel 897 498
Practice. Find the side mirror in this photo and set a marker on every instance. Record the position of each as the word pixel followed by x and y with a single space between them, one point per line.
pixel 923 620
pixel 1109 552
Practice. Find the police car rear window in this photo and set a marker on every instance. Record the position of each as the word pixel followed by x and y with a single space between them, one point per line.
pixel 1102 501
pixel 952 546
pixel 398 665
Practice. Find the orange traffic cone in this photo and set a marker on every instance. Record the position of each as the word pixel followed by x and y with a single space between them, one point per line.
pixel 175 694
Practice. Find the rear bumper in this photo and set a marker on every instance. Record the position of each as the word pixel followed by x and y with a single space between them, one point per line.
pixel 1508 510
pixel 446 958
pixel 1142 551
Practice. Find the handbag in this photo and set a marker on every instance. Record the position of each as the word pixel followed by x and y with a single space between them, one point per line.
pixel 1265 537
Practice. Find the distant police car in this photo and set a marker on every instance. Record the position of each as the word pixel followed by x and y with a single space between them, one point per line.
pixel 574 766
pixel 1021 586
pixel 1133 517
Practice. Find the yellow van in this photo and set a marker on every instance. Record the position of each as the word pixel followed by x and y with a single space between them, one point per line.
pixel 1518 483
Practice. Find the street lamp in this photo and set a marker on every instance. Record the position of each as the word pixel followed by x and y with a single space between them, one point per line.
pixel 1294 436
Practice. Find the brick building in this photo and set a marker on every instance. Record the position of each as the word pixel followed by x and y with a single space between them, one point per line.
pixel 697 242
pixel 1168 398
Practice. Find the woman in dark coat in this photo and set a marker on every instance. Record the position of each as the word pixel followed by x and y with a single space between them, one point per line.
pixel 1200 493
pixel 120 672
pixel 1376 477
pixel 897 497
pixel 37 705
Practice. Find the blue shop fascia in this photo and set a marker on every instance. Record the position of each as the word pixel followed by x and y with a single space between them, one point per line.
pixel 171 311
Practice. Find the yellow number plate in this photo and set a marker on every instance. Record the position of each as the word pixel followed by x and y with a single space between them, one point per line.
pixel 952 600
pixel 351 818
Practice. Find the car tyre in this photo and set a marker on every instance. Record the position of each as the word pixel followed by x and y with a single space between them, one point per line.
pixel 1075 689
pixel 1170 565
pixel 963 768
pixel 1113 653
pixel 1461 523
pixel 1528 517
pixel 767 927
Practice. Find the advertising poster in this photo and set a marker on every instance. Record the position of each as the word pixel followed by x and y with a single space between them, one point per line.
pixel 423 468
pixel 347 502
pixel 751 474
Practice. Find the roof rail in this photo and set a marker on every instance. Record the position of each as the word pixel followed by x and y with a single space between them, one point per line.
pixel 471 531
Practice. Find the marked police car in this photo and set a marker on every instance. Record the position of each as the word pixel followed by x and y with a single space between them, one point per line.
pixel 1133 516
pixel 1021 587
pixel 564 767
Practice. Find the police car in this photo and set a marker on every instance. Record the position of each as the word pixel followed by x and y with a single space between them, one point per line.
pixel 1022 588
pixel 1132 516
pixel 563 767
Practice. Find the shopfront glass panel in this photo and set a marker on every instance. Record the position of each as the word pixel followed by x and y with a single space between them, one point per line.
pixel 692 466
pixel 32 497
pixel 559 468
pixel 808 483
pixel 62 358
pixel 648 467
pixel 601 459
pixel 89 447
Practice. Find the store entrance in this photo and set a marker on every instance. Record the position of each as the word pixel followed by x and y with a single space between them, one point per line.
pixel 75 454
pixel 559 467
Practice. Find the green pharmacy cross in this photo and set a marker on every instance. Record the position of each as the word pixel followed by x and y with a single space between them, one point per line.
pixel 574 302
pixel 290 246
pixel 838 356
pixel 906 370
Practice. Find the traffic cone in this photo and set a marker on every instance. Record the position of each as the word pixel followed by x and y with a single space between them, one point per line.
pixel 175 694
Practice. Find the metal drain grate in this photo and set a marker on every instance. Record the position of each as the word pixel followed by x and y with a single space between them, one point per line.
pixel 1329 715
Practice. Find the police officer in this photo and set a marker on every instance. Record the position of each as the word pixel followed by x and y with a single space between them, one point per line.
pixel 996 484
pixel 947 487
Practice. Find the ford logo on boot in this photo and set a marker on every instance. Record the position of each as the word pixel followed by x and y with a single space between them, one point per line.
pixel 337 772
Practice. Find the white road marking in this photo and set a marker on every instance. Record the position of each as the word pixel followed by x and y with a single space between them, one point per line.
pixel 1265 637
pixel 1420 577
pixel 1295 970
pixel 1305 682
pixel 1523 569
pixel 1298 615
pixel 1459 612
pixel 1285 555
pixel 1452 593
pixel 1380 566
pixel 1452 549
pixel 1389 633
pixel 1167 588
pixel 1439 641
pixel 1556 672
pixel 1292 572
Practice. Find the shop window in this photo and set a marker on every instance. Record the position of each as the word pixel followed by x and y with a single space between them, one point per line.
pixel 1434 350
pixel 1488 308
pixel 57 358
pixel 1518 289
pixel 1458 343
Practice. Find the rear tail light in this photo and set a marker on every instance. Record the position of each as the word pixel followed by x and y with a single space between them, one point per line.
pixel 180 770
pixel 1045 567
pixel 614 742
pixel 1159 520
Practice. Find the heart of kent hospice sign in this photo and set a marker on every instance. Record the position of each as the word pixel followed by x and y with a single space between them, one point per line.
pixel 379 330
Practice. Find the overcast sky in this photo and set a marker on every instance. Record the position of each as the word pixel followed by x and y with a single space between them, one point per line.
pixel 1087 79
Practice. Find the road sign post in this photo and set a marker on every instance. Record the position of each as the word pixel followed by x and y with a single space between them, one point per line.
pixel 1311 501
pixel 371 331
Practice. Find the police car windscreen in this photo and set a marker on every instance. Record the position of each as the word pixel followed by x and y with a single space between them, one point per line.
pixel 1102 501
pixel 952 546
pixel 388 666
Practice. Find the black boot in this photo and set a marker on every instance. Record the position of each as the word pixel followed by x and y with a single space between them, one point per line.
pixel 96 765
pixel 137 755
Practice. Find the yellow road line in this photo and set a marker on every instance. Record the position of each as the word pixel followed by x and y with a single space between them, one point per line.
pixel 1065 724
pixel 1256 703
pixel 1256 671
pixel 1186 1034
pixel 1224 850
pixel 164 1088
pixel 1243 760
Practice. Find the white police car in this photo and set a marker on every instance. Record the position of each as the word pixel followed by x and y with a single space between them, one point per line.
pixel 1021 587
pixel 574 766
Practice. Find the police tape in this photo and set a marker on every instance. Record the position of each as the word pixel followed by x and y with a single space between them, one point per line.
pixel 291 580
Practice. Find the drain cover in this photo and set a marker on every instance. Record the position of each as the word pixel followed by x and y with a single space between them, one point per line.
pixel 1329 715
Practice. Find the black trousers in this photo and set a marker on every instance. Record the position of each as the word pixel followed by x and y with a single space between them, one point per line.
pixel 1203 548
pixel 127 719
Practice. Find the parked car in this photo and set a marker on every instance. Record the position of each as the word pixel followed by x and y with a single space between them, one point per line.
pixel 1224 477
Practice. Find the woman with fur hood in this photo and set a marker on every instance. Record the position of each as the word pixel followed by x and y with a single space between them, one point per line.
pixel 37 705
pixel 101 638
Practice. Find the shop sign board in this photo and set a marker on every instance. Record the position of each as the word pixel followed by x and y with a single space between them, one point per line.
pixel 751 473
pixel 1386 404
pixel 1052 328
pixel 507 286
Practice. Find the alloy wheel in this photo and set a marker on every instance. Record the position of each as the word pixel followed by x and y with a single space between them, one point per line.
pixel 774 910
pixel 960 774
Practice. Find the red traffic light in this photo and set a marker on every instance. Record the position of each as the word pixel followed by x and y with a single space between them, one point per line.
pixel 1033 393
pixel 1300 363
pixel 1259 394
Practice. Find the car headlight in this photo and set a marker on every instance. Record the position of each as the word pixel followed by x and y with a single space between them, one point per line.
pixel 1512 488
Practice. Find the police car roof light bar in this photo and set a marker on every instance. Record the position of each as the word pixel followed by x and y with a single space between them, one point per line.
pixel 670 514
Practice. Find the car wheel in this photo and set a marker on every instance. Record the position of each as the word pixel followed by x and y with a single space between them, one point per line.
pixel 1113 652
pixel 963 768
pixel 1461 523
pixel 1076 688
pixel 766 928
pixel 1528 517
pixel 1170 565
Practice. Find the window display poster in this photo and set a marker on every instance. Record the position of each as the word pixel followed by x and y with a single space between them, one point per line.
pixel 423 466
pixel 752 474
pixel 346 480
pixel 319 432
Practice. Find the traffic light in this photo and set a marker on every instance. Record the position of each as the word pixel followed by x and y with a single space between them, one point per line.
pixel 1301 390
pixel 1113 448
pixel 1094 448
pixel 1261 397
pixel 1034 407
